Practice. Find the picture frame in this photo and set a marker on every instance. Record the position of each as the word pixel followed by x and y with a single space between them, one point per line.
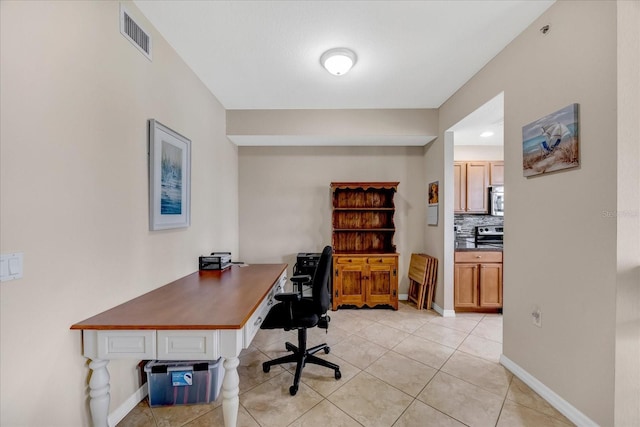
pixel 169 155
pixel 551 143
pixel 432 203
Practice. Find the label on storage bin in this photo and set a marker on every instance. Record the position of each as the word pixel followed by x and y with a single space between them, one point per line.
pixel 181 378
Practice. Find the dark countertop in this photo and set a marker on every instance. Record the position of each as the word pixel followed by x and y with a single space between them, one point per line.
pixel 485 248
pixel 467 245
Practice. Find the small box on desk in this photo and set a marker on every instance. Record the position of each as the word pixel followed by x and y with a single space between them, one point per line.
pixel 183 383
pixel 215 261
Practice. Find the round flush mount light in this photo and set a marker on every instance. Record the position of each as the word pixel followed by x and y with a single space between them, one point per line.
pixel 338 61
pixel 486 134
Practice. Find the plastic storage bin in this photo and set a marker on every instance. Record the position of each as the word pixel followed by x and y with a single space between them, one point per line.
pixel 183 383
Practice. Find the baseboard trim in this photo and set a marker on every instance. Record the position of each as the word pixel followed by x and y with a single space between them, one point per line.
pixel 564 407
pixel 127 406
pixel 442 312
pixel 403 297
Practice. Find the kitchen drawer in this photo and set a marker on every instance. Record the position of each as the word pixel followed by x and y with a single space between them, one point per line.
pixel 382 260
pixel 478 256
pixel 350 260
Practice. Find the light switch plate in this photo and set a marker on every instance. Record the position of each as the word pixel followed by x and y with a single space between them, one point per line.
pixel 11 266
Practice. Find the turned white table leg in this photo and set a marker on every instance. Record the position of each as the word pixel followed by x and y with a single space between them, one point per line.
pixel 99 392
pixel 230 391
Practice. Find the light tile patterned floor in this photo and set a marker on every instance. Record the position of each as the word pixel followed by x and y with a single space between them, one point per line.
pixel 400 368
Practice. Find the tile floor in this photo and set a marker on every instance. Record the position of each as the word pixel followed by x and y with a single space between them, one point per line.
pixel 400 368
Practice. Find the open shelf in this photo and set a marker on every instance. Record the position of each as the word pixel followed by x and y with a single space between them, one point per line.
pixel 362 217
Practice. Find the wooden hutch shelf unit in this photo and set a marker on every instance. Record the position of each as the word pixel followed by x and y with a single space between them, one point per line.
pixel 365 262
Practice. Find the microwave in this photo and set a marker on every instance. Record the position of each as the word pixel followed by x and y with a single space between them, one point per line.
pixel 496 198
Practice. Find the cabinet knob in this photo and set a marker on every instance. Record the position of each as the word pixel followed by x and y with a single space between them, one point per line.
pixel 478 256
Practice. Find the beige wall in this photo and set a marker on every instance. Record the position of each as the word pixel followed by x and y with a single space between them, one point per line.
pixel 560 250
pixel 400 122
pixel 285 203
pixel 478 152
pixel 627 375
pixel 75 100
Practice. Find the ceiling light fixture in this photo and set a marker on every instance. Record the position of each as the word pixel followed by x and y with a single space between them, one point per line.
pixel 486 134
pixel 338 61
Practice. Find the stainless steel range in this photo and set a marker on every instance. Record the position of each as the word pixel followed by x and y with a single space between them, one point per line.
pixel 489 235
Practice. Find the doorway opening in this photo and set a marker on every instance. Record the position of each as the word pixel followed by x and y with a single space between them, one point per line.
pixel 476 141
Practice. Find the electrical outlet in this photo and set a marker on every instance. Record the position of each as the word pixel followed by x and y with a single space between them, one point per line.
pixel 536 317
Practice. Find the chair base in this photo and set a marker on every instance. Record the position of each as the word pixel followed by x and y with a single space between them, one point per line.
pixel 301 356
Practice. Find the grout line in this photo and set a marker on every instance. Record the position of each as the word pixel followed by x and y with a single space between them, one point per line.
pixel 504 400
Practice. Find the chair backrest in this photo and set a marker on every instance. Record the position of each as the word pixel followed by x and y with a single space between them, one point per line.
pixel 320 283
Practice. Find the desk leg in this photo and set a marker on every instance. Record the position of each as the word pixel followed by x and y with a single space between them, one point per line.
pixel 230 390
pixel 99 392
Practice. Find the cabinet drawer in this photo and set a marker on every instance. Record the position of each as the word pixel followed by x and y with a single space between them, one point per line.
pixel 252 326
pixel 351 260
pixel 478 256
pixel 382 260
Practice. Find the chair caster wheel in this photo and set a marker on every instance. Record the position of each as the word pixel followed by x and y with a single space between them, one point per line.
pixel 338 375
pixel 293 390
pixel 327 350
pixel 265 368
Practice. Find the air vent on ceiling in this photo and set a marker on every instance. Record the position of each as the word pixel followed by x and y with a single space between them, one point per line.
pixel 134 33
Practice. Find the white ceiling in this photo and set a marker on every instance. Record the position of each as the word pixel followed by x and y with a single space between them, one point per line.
pixel 488 118
pixel 266 54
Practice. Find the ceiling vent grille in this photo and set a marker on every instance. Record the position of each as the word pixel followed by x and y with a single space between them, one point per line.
pixel 134 33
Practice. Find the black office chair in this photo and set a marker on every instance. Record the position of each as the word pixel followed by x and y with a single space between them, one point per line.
pixel 297 312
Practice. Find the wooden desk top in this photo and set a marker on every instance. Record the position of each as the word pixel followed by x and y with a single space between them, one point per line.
pixel 202 300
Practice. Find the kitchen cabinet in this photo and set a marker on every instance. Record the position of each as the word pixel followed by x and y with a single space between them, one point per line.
pixel 478 281
pixel 459 187
pixel 471 183
pixel 496 173
pixel 365 280
pixel 365 262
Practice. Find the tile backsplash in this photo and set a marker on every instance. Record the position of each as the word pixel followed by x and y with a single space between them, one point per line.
pixel 466 223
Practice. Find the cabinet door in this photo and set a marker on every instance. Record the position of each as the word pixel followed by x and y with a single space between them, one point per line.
pixel 496 173
pixel 459 187
pixel 382 285
pixel 465 286
pixel 491 285
pixel 477 187
pixel 348 284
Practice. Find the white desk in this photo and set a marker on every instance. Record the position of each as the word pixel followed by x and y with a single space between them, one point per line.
pixel 202 316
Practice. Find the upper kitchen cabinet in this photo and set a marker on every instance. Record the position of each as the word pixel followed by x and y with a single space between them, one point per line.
pixel 471 181
pixel 459 187
pixel 496 173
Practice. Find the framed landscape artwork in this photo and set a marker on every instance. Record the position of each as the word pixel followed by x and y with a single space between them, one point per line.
pixel 551 143
pixel 169 178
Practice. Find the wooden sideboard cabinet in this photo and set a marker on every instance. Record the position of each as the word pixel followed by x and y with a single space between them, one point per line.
pixel 365 280
pixel 478 281
pixel 365 262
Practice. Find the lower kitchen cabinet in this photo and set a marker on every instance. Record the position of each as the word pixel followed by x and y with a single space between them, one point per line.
pixel 478 281
pixel 361 280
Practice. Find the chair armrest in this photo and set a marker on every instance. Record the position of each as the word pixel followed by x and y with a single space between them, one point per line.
pixel 302 278
pixel 288 297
